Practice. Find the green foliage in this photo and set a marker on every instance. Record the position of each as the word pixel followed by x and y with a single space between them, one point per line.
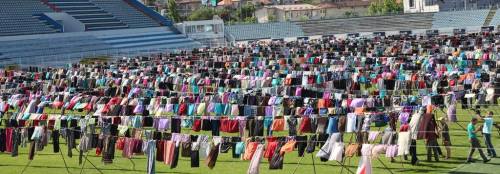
pixel 245 11
pixel 350 14
pixel 244 14
pixel 303 18
pixel 203 13
pixel 172 11
pixel 382 7
pixel 250 20
pixel 271 18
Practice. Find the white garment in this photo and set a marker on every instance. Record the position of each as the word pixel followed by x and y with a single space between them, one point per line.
pixel 365 163
pixel 351 122
pixel 336 152
pixel 414 124
pixel 255 162
pixel 404 140
pixel 326 149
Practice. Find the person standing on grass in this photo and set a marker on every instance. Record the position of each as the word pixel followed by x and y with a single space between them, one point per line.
pixel 487 127
pixel 431 140
pixel 471 133
pixel 444 131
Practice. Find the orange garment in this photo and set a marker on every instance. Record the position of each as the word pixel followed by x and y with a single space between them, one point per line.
pixel 359 111
pixel 288 147
pixel 250 150
pixel 278 124
pixel 429 109
pixel 169 152
pixel 321 103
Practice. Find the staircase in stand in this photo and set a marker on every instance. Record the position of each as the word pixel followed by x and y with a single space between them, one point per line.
pixel 490 16
pixel 93 17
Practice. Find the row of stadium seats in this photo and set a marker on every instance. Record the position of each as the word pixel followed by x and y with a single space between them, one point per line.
pixel 35 48
pixel 264 30
pixel 67 47
pixel 126 13
pixel 453 19
pixel 86 12
pixel 496 19
pixel 149 39
pixel 17 17
pixel 367 24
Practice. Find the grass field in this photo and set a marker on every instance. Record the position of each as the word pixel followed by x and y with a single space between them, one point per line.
pixel 47 162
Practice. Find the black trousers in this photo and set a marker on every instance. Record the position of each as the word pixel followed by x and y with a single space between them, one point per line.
pixel 413 152
pixel 301 144
pixel 55 140
pixel 195 158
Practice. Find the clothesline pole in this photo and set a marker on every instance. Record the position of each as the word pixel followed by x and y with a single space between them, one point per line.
pixel 83 165
pixel 26 167
pixel 64 160
pixel 387 168
pixel 314 166
pixel 89 162
pixel 298 164
pixel 343 166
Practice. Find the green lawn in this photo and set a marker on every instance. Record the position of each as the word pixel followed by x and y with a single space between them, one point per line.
pixel 47 162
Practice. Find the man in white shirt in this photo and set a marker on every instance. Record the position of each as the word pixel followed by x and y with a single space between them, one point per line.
pixel 487 127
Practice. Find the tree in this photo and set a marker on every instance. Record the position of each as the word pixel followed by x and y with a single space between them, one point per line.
pixel 382 7
pixel 245 11
pixel 172 11
pixel 271 18
pixel 203 13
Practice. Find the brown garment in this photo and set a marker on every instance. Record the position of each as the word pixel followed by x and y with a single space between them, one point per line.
pixel 342 123
pixel 351 150
pixel 212 156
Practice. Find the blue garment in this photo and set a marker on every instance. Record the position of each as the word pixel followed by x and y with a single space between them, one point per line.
pixel 240 148
pixel 191 108
pixel 333 125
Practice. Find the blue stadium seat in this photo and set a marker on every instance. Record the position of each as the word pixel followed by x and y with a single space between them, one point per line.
pixel 264 31
pixel 17 18
pixel 452 19
pixel 91 15
pixel 126 13
pixel 496 19
pixel 367 24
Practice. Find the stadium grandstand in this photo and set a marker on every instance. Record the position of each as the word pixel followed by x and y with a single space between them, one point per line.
pixel 56 32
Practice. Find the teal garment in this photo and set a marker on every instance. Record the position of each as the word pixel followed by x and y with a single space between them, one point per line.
pixel 382 93
pixel 470 131
pixel 227 109
pixel 268 121
pixel 240 148
pixel 219 109
pixel 449 67
pixel 319 79
pixel 176 108
pixel 195 89
pixel 150 93
pixel 362 79
pixel 137 122
pixel 186 123
pixel 191 108
pixel 26 116
pixel 275 82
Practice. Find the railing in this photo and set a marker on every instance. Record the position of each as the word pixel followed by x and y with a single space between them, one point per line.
pixel 51 21
pixel 149 12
